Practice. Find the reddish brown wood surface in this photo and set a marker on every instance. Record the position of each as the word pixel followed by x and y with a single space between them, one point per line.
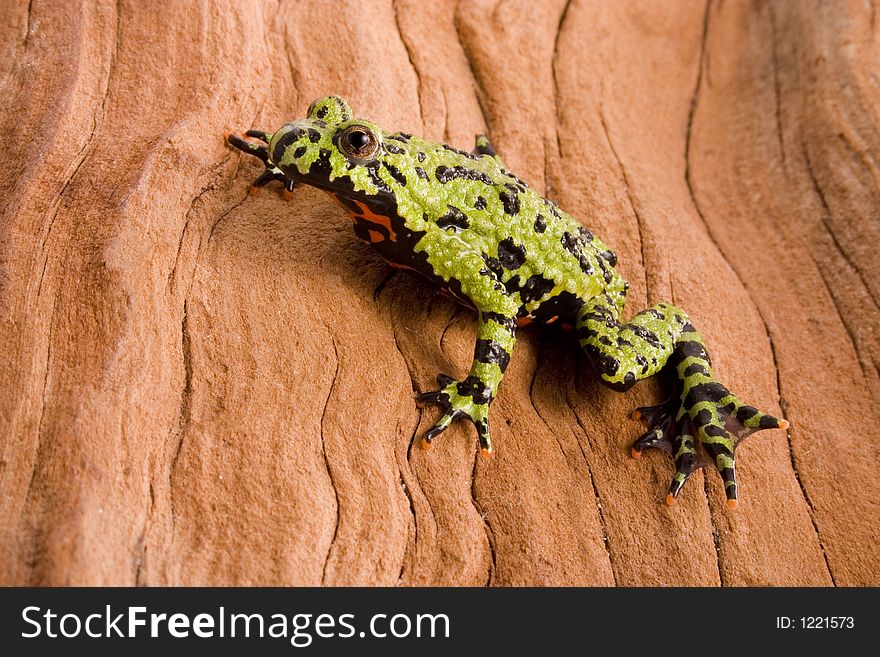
pixel 201 387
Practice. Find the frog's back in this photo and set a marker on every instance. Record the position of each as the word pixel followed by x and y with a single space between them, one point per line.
pixel 534 248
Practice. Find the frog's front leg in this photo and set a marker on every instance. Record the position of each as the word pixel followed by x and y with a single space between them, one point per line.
pixel 453 259
pixel 705 422
pixel 471 397
pixel 482 146
pixel 261 152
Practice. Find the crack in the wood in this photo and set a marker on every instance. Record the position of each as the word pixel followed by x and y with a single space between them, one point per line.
pixel 85 151
pixel 484 516
pixel 825 215
pixel 409 496
pixel 629 195
pixel 185 410
pixel 606 539
pixel 29 24
pixel 716 537
pixel 455 315
pixel 381 286
pixel 327 463
pixel 479 90
pixel 555 57
pixel 840 314
pixel 223 216
pixel 776 84
pixel 79 159
pixel 412 63
pixel 783 405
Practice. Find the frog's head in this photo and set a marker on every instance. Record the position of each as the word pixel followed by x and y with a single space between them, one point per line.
pixel 329 149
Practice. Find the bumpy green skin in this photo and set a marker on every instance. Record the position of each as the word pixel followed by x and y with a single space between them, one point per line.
pixel 465 222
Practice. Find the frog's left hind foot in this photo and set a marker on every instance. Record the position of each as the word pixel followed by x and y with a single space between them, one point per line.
pixel 709 414
pixel 261 152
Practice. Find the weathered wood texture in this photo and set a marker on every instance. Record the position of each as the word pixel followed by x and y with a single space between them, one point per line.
pixel 200 387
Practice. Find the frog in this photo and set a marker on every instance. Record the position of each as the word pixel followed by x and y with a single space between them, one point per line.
pixel 462 220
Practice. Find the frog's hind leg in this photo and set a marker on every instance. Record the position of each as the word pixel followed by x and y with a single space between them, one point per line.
pixel 261 152
pixel 704 423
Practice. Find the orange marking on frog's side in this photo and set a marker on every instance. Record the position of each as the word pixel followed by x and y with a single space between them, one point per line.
pixel 379 219
pixel 524 321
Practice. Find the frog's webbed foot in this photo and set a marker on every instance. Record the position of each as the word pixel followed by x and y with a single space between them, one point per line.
pixel 261 152
pixel 705 425
pixel 469 398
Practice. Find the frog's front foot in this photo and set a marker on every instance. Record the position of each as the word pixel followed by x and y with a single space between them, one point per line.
pixel 261 152
pixel 469 398
pixel 704 425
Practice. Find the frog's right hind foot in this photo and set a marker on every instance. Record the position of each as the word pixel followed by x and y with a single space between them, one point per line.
pixel 261 152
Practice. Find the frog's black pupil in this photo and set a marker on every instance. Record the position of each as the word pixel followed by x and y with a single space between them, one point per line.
pixel 358 139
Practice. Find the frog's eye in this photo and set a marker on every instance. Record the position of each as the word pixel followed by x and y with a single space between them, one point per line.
pixel 358 142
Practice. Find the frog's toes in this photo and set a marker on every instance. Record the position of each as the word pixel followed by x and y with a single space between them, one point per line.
pixel 705 425
pixel 261 152
pixel 469 398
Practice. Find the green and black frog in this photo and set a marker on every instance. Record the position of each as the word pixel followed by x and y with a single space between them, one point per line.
pixel 472 227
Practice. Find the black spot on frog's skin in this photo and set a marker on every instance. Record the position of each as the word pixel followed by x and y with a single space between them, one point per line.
pixel 609 256
pixel 299 152
pixel 513 285
pixel 710 392
pixel 540 223
pixel 391 148
pixel 399 138
pixel 287 139
pixel 608 365
pixel 716 432
pixel 375 179
pixel 420 156
pixel 570 243
pixel 493 266
pixel 345 114
pixel 489 351
pixel 321 166
pixel 647 336
pixel 322 112
pixel 746 412
pixel 444 174
pixel 551 207
pixel 480 203
pixel 696 368
pixel 454 218
pixel 510 254
pixel 314 136
pixel 703 418
pixel 641 360
pixel 510 200
pixel 395 173
pixel 420 172
pixel 606 273
pixel 474 387
pixel 586 235
pixel 470 156
pixel 535 288
pixel 507 322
